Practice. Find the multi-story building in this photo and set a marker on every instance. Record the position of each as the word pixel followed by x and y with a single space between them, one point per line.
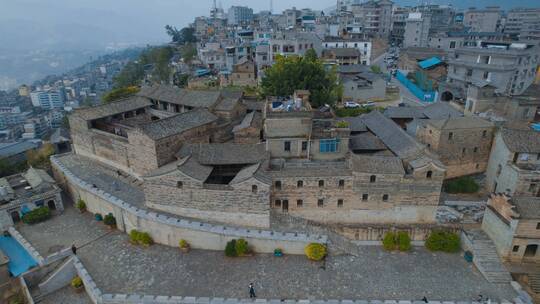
pixel 294 43
pixel 362 45
pixel 417 26
pixel 239 15
pixel 399 16
pixel 48 99
pixel 375 16
pixel 483 20
pixel 35 127
pixel 510 67
pixel 341 56
pixel 514 163
pixel 513 223
pixel 523 23
pixel 463 144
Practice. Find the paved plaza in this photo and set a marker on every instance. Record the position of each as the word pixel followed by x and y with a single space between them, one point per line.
pixel 66 295
pixel 119 267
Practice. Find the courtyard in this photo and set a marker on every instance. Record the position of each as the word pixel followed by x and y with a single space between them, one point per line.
pixel 120 267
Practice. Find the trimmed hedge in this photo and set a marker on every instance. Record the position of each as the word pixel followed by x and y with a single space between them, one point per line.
pixel 445 241
pixel 109 220
pixel 241 247
pixel 37 215
pixel 140 238
pixel 397 241
pixel 230 248
pixel 81 205
pixel 315 251
pixel 464 184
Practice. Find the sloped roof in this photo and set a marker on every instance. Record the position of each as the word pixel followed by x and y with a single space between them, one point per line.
pixel 112 108
pixel 177 124
pixel 356 124
pixel 395 138
pixel 255 171
pixel 171 94
pixel 251 119
pixel 225 153
pixel 366 141
pixel 521 141
pixel 229 101
pixel 14 148
pixel 377 164
pixel 439 110
pixel 404 112
pixel 343 52
pixel 429 63
pixel 527 207
pixel 36 177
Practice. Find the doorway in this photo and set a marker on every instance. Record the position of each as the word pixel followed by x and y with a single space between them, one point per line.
pixel 15 216
pixel 51 205
pixel 285 205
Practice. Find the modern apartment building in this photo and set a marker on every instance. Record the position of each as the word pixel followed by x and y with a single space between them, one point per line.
pixel 417 26
pixel 483 20
pixel 523 23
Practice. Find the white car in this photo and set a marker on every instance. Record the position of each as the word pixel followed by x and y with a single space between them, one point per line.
pixel 351 104
pixel 368 104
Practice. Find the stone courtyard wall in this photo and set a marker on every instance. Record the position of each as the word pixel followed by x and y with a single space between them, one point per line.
pixel 169 230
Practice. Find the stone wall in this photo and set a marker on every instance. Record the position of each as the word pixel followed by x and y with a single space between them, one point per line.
pixel 170 230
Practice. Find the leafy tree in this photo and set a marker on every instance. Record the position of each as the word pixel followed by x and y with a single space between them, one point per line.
pixel 40 158
pixel 120 93
pixel 130 75
pixel 188 52
pixel 375 69
pixel 134 72
pixel 9 168
pixel 302 73
pixel 185 35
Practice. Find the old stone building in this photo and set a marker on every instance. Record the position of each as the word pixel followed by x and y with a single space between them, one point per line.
pixel 217 182
pixel 513 223
pixel 249 130
pixel 20 193
pixel 341 56
pixel 243 74
pixel 463 144
pixel 514 163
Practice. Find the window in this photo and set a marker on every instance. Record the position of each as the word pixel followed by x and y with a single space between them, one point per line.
pixel 429 174
pixel 304 146
pixel 484 134
pixel 486 75
pixel 538 226
pixel 287 146
pixel 372 179
pixel 475 150
pixel 499 169
pixel 254 188
pixel 340 203
pixel 321 183
pixel 299 203
pixel 320 202
pixel 277 185
pixel 300 184
pixel 469 72
pixel 365 197
pixel 341 183
pixel 328 145
pixel 277 203
pixel 179 184
pixel 450 136
pixel 463 151
pixel 452 44
pixel 385 198
pixel 477 166
pixel 532 187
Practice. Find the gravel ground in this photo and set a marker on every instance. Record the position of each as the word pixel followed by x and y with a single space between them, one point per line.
pixel 119 267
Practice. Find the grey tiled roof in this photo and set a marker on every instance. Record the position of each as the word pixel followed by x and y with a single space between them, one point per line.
pixel 395 138
pixel 251 119
pixel 377 164
pixel 366 141
pixel 441 110
pixel 112 108
pixel 356 124
pixel 177 124
pixel 343 52
pixel 225 154
pixel 167 93
pixel 527 207
pixel 521 141
pixel 193 169
pixel 460 123
pixel 10 149
pixel 255 171
pixel 404 112
pixel 229 101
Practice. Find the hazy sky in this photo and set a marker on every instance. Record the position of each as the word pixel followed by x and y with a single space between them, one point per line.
pixel 91 24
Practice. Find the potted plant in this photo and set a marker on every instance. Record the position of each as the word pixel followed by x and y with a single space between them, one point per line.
pixel 109 220
pixel 81 205
pixel 98 217
pixel 77 283
pixel 278 252
pixel 184 246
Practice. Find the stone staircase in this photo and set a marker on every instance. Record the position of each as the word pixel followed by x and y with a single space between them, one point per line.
pixel 485 257
pixel 534 282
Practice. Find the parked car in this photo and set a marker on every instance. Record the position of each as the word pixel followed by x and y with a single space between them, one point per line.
pixel 368 104
pixel 351 104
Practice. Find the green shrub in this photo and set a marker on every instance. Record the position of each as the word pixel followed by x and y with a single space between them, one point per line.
pixel 140 238
pixel 315 251
pixel 351 112
pixel 81 205
pixel 17 299
pixel 403 241
pixel 397 241
pixel 241 247
pixel 230 248
pixel 109 220
pixel 37 215
pixel 445 241
pixel 77 282
pixel 342 124
pixel 464 184
pixel 389 241
pixel 183 244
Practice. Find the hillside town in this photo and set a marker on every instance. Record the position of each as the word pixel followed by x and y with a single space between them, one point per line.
pixel 368 153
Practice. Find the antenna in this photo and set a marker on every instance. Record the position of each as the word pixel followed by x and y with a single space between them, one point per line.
pixel 214 6
pixel 271 6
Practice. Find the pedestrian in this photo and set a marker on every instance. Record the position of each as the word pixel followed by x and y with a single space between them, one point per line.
pixel 425 299
pixel 74 249
pixel 480 299
pixel 251 291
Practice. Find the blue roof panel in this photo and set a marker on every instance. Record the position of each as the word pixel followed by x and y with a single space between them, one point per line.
pixel 428 63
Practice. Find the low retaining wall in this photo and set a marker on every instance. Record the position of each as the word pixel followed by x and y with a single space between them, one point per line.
pixel 59 278
pixel 26 291
pixel 169 230
pixel 27 246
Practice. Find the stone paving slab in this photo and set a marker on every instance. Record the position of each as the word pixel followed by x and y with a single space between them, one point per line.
pixel 66 295
pixel 119 267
